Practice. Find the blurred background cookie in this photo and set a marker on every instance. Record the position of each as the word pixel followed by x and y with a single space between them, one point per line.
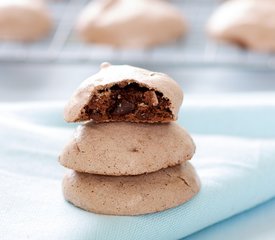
pixel 130 24
pixel 24 20
pixel 247 23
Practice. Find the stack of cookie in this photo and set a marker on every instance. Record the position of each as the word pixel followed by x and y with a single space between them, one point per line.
pixel 129 157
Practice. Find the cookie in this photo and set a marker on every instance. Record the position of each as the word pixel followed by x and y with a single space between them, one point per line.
pixel 123 148
pixel 132 195
pixel 125 93
pixel 130 24
pixel 24 20
pixel 247 23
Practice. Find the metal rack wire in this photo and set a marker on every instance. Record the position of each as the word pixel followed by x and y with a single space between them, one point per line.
pixel 196 49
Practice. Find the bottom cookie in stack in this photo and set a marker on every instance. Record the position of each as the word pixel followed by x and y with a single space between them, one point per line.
pixel 132 195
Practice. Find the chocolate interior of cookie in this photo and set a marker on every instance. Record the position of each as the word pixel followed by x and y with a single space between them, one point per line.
pixel 128 101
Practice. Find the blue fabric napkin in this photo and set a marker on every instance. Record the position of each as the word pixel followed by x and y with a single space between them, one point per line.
pixel 235 159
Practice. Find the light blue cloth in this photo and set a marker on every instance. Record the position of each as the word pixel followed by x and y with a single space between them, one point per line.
pixel 235 159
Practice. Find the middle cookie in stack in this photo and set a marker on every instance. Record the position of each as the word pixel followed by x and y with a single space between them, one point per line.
pixel 126 168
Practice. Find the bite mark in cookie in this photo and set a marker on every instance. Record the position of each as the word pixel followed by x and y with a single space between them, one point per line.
pixel 128 101
pixel 125 93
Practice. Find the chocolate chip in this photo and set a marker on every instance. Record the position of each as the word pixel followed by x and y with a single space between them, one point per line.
pixel 123 108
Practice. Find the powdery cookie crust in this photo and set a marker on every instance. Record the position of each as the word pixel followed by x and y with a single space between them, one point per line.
pixel 125 93
pixel 24 20
pixel 247 23
pixel 127 148
pixel 130 24
pixel 132 195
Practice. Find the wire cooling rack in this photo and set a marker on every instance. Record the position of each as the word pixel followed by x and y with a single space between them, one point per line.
pixel 196 49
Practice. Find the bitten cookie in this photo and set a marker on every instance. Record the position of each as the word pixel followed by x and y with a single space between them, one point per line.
pixel 247 23
pixel 125 93
pixel 24 20
pixel 127 148
pixel 132 195
pixel 131 24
